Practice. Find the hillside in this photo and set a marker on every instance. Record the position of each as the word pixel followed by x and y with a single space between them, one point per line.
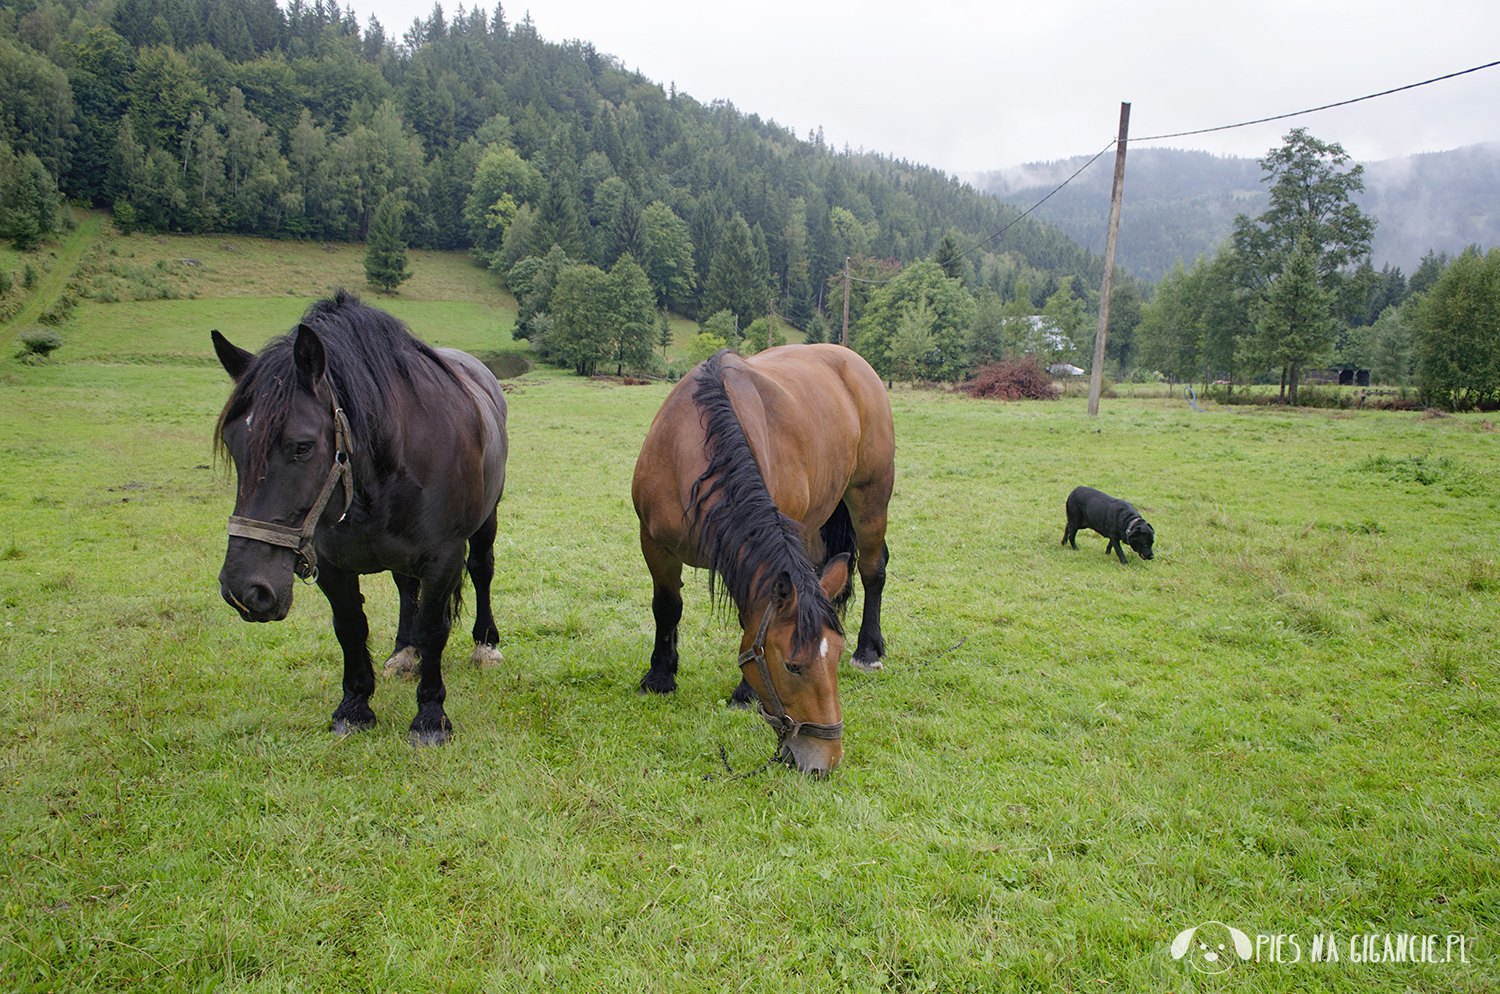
pixel 1181 204
pixel 240 117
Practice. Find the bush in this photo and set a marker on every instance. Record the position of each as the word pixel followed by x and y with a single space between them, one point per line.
pixel 701 346
pixel 37 344
pixel 755 337
pixel 1012 379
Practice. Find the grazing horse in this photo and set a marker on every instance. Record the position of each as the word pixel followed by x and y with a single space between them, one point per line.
pixel 773 472
pixel 360 449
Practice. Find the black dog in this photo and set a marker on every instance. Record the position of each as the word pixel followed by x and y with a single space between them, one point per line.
pixel 1115 519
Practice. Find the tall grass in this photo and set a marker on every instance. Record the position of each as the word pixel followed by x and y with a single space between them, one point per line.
pixel 1286 722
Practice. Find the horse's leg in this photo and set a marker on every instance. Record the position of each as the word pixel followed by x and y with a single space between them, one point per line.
pixel 868 511
pixel 353 632
pixel 434 621
pixel 403 661
pixel 666 608
pixel 481 566
pixel 743 695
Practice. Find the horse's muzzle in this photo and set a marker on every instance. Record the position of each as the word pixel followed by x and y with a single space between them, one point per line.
pixel 814 756
pixel 256 601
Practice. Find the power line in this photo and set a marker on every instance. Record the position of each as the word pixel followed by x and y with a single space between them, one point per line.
pixel 1314 110
pixel 1112 143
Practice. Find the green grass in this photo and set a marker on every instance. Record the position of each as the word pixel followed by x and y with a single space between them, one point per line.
pixel 1288 721
pixel 52 276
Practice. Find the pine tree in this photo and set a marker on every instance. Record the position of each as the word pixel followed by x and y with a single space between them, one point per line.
pixel 385 257
pixel 1295 325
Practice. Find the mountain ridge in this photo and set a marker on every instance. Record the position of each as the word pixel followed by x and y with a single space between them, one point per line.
pixel 1181 203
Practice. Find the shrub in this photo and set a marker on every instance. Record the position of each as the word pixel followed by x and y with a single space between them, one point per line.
pixel 1012 379
pixel 701 346
pixel 37 344
pixel 755 337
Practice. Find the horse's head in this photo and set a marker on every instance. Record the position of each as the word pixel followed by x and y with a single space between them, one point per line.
pixel 801 700
pixel 288 440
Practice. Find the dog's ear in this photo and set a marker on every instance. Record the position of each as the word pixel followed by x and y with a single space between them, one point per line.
pixel 1181 943
pixel 1242 947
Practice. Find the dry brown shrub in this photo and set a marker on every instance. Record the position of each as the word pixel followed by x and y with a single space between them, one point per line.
pixel 1012 379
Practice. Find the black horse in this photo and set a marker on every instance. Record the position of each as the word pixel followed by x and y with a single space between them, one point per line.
pixel 360 449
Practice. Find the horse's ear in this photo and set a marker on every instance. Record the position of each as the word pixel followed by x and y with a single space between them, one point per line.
pixel 783 594
pixel 308 353
pixel 234 359
pixel 835 576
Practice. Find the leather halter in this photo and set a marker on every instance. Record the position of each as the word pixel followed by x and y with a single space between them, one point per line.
pixel 300 539
pixel 776 716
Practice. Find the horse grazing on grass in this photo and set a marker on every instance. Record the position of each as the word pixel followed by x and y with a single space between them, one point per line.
pixel 360 449
pixel 773 473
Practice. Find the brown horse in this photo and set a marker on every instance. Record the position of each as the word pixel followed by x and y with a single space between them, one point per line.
pixel 772 473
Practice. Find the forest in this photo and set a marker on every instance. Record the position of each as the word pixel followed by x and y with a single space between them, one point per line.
pixel 241 116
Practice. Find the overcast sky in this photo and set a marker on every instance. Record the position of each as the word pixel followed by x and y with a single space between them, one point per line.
pixel 974 85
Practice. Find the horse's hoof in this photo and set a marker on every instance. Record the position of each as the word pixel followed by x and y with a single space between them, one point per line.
pixel 431 733
pixel 866 665
pixel 434 738
pixel 486 655
pixel 342 727
pixel 742 697
pixel 403 663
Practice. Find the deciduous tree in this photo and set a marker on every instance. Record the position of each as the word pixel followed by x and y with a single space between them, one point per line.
pixel 1458 334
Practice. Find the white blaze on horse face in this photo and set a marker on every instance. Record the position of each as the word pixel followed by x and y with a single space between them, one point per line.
pixel 823 649
pixel 249 418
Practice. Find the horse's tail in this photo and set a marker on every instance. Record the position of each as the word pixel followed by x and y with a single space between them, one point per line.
pixel 839 539
pixel 456 607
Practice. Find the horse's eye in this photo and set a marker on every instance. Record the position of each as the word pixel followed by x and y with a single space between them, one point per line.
pixel 794 668
pixel 303 448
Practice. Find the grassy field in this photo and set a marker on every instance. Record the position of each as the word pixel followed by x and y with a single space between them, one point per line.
pixel 1287 722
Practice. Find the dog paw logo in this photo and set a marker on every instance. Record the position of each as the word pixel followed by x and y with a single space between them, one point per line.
pixel 1212 946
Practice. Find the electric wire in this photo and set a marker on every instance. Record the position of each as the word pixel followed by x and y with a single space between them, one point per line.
pixel 1222 127
pixel 1314 110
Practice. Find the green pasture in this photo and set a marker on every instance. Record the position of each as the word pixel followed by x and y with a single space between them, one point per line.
pixel 1287 722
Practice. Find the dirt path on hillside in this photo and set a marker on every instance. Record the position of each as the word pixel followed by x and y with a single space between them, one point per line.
pixel 51 285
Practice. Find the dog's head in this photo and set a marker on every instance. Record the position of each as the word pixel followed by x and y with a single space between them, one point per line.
pixel 1139 537
pixel 1208 947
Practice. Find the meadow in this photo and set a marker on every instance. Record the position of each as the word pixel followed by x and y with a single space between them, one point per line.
pixel 1287 722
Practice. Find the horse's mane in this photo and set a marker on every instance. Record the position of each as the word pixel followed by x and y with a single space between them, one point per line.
pixel 378 369
pixel 746 538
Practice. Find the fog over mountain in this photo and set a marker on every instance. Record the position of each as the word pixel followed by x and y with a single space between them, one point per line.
pixel 1182 204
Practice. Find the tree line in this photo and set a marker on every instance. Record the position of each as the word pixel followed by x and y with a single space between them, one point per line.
pixel 1293 288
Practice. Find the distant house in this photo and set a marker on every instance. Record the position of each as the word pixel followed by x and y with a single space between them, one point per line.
pixel 1344 376
pixel 1064 369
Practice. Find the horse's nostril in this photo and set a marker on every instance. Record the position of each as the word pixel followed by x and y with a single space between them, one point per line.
pixel 260 599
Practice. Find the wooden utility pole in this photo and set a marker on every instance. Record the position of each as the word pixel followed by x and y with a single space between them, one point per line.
pixel 844 341
pixel 1096 375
